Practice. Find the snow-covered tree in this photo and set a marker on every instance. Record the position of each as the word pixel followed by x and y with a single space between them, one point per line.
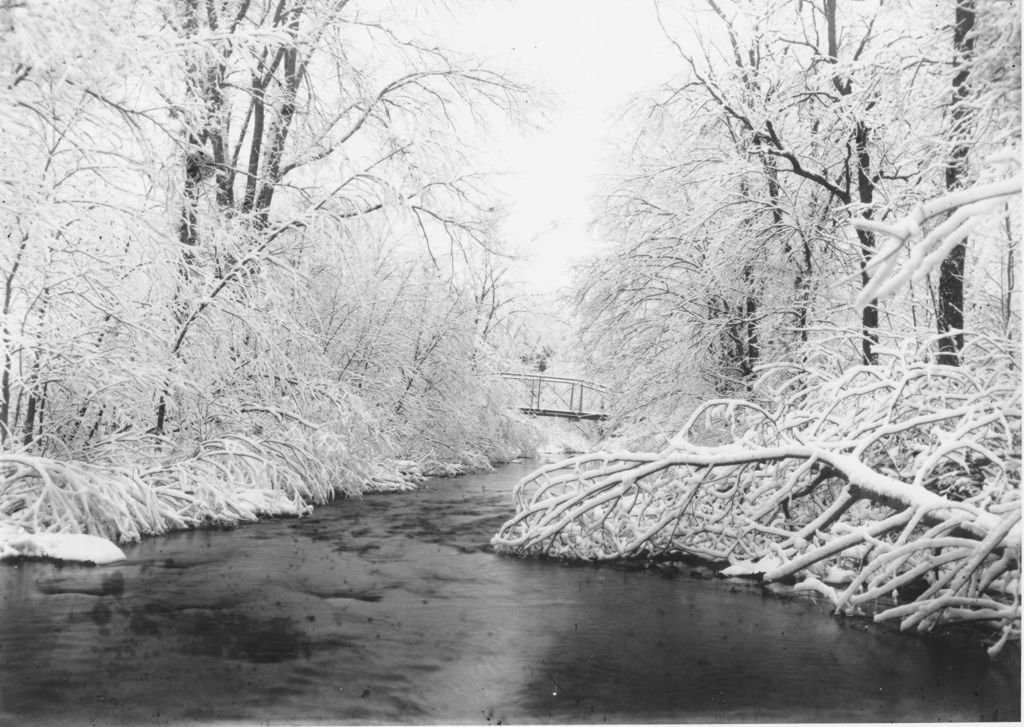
pixel 239 274
pixel 729 210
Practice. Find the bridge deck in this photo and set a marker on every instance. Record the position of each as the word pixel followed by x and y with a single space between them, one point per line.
pixel 560 396
pixel 564 414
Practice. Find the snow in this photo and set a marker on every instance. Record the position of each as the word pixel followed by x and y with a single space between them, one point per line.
pixel 71 547
pixel 813 585
pixel 272 502
pixel 838 576
pixel 833 576
pixel 751 568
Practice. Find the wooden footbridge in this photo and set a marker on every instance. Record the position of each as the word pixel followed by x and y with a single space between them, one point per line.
pixel 559 396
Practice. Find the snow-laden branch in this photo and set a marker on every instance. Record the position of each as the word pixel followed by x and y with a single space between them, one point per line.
pixel 969 207
pixel 896 481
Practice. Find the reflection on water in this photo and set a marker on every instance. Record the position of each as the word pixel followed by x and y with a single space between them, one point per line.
pixel 392 609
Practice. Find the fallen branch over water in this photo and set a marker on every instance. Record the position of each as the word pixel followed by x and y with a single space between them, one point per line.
pixel 898 482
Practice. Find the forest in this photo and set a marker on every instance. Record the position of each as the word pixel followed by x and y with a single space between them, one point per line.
pixel 251 264
pixel 247 266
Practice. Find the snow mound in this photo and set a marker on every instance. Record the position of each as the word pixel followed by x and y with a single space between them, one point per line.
pixel 751 568
pixel 70 547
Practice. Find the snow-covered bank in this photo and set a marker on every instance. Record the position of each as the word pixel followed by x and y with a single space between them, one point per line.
pixel 78 511
pixel 48 505
pixel 17 542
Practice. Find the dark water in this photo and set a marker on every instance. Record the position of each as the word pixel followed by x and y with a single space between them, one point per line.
pixel 392 609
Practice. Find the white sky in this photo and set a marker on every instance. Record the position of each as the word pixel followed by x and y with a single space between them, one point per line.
pixel 592 56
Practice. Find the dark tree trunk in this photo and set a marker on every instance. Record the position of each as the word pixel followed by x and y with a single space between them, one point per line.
pixel 255 147
pixel 866 196
pixel 751 350
pixel 743 331
pixel 188 232
pixel 294 70
pixel 949 317
pixel 29 427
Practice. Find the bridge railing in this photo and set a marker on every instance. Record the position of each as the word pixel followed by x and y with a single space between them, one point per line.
pixel 560 396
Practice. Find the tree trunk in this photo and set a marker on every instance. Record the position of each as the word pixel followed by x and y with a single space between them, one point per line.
pixel 8 358
pixel 294 69
pixel 866 196
pixel 802 267
pixel 865 189
pixel 188 232
pixel 751 350
pixel 950 314
pixel 29 426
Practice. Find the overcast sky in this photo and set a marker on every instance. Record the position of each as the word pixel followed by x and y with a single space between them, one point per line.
pixel 592 55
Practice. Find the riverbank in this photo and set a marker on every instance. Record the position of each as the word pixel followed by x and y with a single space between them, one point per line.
pixel 77 511
pixel 49 506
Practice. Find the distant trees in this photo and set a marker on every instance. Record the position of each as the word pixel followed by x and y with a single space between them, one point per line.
pixel 538 358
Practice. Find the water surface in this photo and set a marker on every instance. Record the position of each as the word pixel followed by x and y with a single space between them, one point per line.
pixel 392 609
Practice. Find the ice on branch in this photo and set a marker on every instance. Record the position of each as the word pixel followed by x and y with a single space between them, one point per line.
pixel 897 484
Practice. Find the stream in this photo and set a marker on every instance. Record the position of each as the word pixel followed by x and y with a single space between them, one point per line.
pixel 393 609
